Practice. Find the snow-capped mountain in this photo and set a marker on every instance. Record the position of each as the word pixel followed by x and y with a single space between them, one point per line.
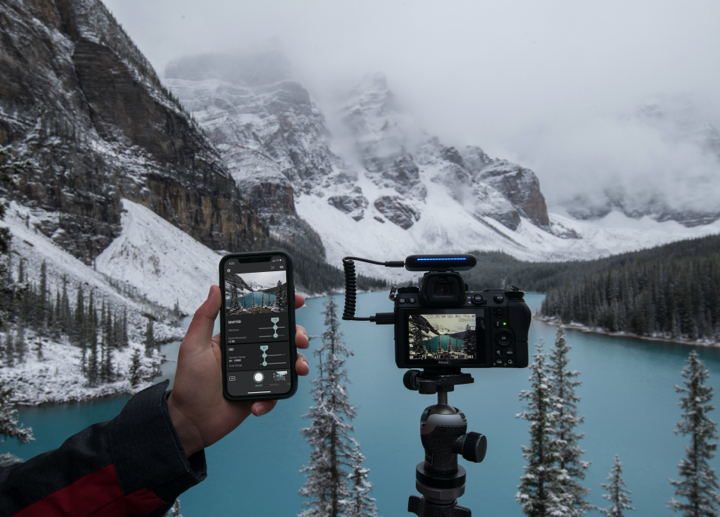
pixel 381 185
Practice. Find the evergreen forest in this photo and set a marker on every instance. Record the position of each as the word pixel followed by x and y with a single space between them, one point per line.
pixel 668 291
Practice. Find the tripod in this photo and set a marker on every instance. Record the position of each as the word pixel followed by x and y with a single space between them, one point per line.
pixel 443 428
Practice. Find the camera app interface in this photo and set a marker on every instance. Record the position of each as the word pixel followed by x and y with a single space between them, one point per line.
pixel 257 327
pixel 442 337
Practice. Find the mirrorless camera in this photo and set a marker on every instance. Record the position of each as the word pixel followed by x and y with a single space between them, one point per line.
pixel 442 324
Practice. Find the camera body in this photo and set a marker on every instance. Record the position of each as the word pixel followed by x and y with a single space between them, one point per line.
pixel 478 330
pixel 442 325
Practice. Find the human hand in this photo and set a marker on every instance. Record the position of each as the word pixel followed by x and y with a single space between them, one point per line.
pixel 199 411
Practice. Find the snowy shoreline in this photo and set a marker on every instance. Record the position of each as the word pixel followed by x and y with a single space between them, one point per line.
pixel 57 376
pixel 597 330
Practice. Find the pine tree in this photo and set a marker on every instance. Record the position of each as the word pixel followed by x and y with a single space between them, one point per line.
pixel 42 301
pixel 20 344
pixel 327 483
pixel 124 339
pixel 540 493
pixel 135 377
pixel 174 511
pixel 359 504
pixel 698 483
pixel 9 349
pixel 149 338
pixel 281 298
pixel 563 383
pixel 78 334
pixel 617 494
pixel 9 427
pixel 234 305
pixel 92 371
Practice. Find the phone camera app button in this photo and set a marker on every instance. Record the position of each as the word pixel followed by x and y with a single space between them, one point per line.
pixel 258 377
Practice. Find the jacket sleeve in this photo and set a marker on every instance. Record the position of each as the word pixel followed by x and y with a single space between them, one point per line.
pixel 131 465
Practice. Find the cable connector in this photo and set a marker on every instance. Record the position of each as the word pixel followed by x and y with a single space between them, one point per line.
pixel 383 318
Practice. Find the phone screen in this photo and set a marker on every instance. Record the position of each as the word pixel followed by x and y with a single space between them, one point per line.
pixel 258 326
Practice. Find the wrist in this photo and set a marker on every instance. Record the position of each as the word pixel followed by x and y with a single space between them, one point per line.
pixel 190 437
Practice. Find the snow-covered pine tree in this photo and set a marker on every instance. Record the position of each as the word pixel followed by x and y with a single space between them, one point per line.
pixel 698 484
pixel 20 344
pixel 617 494
pixel 92 371
pixel 134 372
pixel 234 297
pixel 540 493
pixel 327 484
pixel 359 504
pixel 149 338
pixel 9 349
pixel 9 427
pixel 78 335
pixel 42 299
pixel 174 511
pixel 281 297
pixel 563 383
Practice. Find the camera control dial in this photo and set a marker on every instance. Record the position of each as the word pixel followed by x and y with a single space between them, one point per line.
pixel 478 299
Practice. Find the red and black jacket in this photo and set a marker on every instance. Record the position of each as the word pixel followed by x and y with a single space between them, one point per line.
pixel 132 465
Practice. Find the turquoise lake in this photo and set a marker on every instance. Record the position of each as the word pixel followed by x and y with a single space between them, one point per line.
pixel 628 400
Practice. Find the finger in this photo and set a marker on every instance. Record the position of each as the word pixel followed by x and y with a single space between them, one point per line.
pixel 301 337
pixel 301 366
pixel 262 408
pixel 201 327
pixel 299 301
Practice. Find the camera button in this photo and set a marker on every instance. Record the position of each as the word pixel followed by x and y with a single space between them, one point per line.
pixel 499 361
pixel 412 300
pixel 503 338
pixel 402 300
pixel 498 352
pixel 508 352
pixel 498 324
pixel 499 299
pixel 499 312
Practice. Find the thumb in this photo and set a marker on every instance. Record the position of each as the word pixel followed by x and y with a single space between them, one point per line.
pixel 199 332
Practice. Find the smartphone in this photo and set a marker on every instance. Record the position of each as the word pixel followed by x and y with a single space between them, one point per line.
pixel 257 326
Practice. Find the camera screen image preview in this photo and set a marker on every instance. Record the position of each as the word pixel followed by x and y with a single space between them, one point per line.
pixel 442 337
pixel 257 329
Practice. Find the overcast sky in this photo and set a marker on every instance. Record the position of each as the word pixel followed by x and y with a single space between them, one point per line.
pixel 539 82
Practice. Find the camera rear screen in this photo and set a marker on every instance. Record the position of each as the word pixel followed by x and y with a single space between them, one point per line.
pixel 257 329
pixel 451 336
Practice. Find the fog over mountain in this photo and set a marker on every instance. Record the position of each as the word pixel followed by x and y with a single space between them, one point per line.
pixel 557 87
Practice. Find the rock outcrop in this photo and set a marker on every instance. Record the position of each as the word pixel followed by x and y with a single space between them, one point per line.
pixel 84 108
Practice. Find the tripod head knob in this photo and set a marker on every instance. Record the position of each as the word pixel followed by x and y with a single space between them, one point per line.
pixel 472 446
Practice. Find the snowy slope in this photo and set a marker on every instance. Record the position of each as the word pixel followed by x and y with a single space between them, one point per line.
pixel 56 376
pixel 160 260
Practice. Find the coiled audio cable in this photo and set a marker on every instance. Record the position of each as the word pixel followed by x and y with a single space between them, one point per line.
pixel 351 284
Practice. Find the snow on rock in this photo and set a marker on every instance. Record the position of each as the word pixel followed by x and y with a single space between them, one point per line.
pixel 158 259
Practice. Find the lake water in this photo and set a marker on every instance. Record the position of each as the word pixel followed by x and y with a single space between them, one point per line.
pixel 628 399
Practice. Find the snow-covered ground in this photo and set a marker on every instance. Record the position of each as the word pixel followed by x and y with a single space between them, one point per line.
pixel 57 377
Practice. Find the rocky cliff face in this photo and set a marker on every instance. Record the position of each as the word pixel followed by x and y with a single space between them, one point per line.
pixel 81 104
